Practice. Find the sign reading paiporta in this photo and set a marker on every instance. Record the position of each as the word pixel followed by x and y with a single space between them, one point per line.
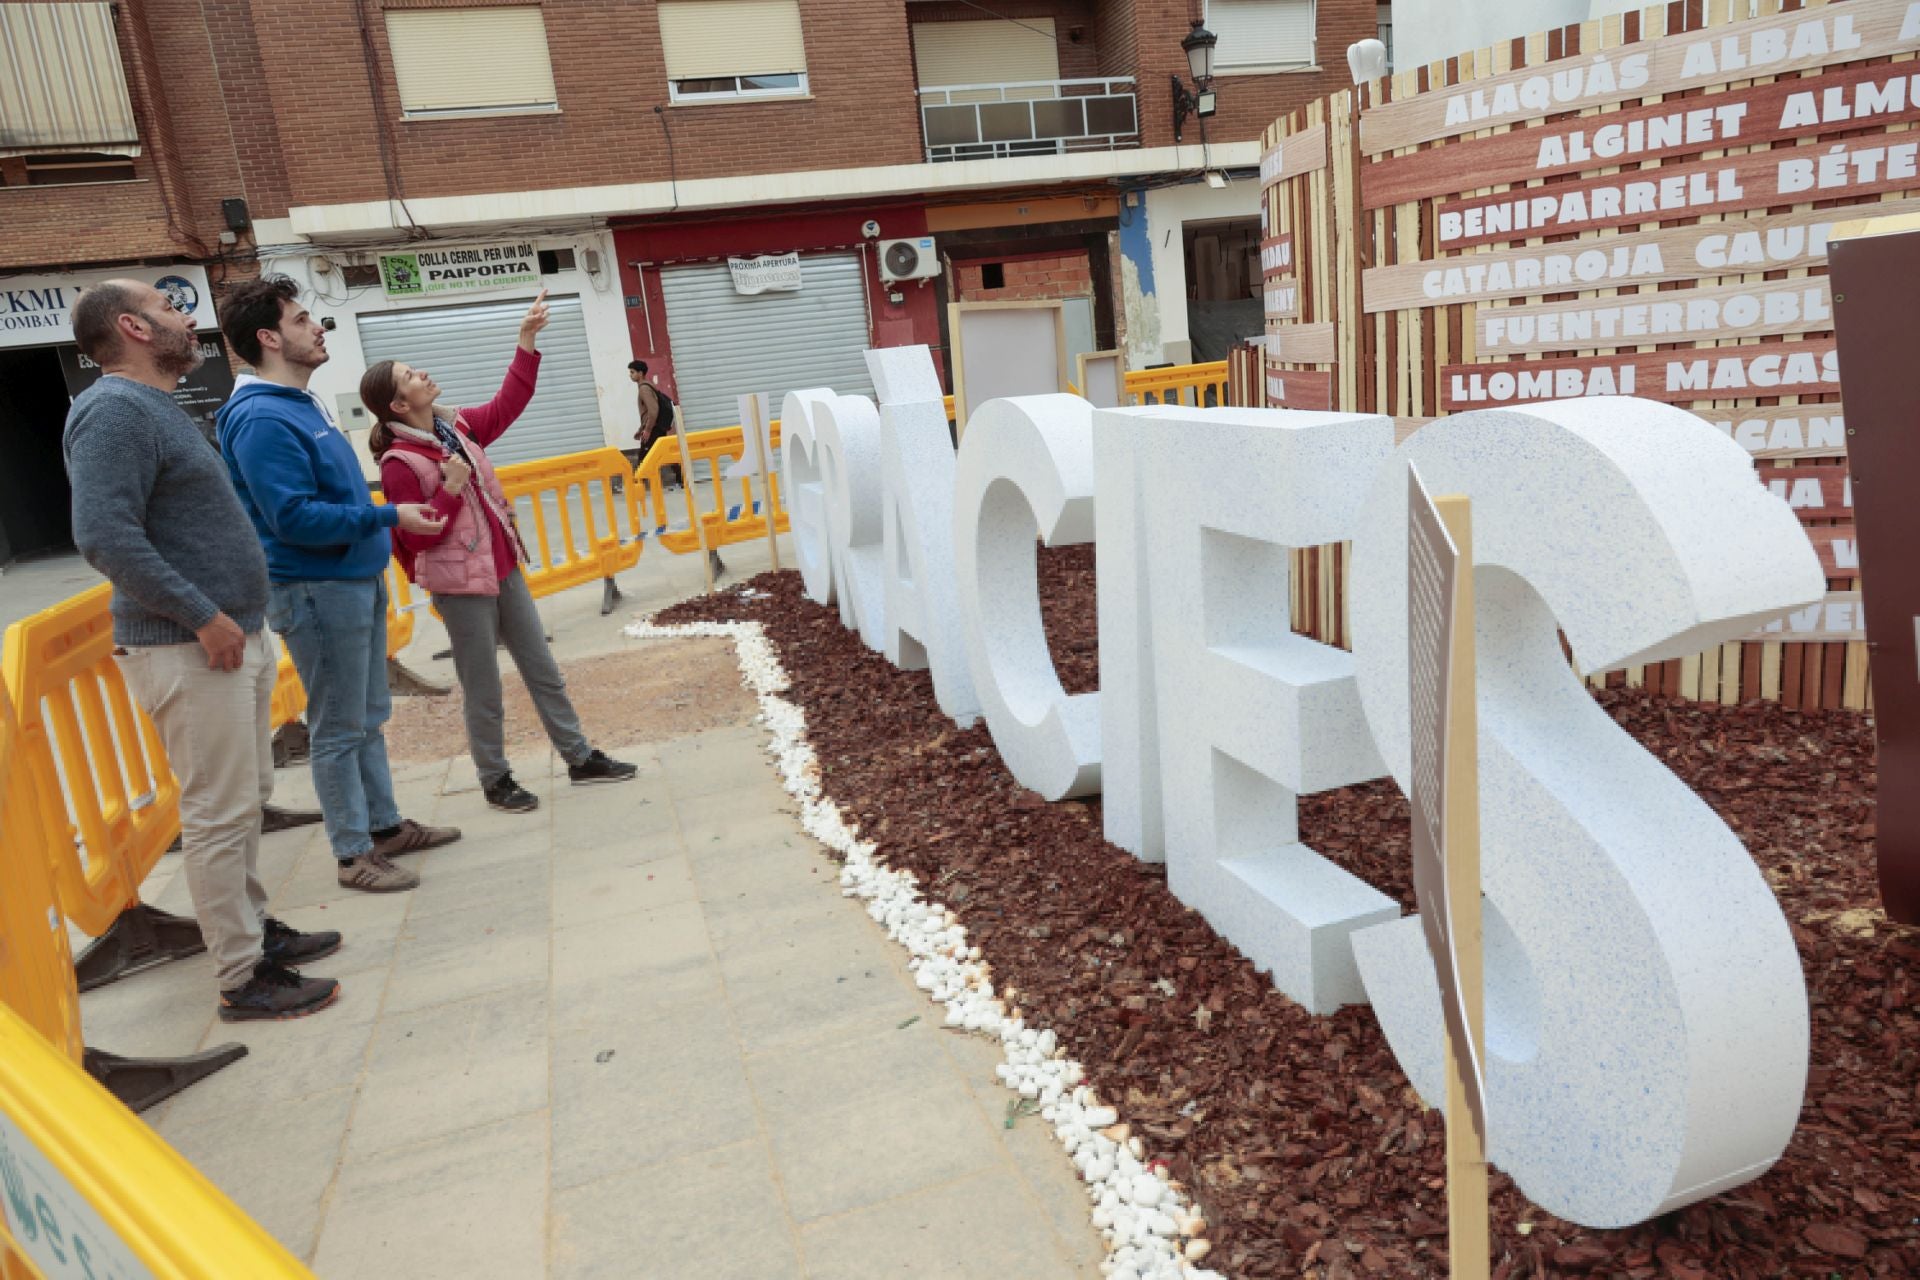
pixel 429 273
pixel 1649 1019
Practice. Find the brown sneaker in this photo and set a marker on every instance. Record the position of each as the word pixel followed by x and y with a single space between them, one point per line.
pixel 374 874
pixel 412 838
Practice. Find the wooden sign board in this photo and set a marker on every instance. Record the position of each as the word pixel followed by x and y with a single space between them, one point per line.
pixel 1444 794
pixel 1853 98
pixel 1838 548
pixel 1775 242
pixel 1001 349
pixel 1704 314
pixel 1758 47
pixel 1102 378
pixel 1674 377
pixel 1299 153
pixel 1763 179
pixel 1282 298
pixel 1276 256
pixel 1301 344
pixel 1300 389
pixel 1785 431
pixel 1840 617
pixel 1814 493
pixel 1875 265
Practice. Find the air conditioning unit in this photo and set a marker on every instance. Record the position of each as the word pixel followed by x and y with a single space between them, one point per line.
pixel 909 259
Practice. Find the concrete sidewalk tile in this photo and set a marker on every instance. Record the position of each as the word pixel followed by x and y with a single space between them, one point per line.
pixel 807 1079
pixel 448 958
pixel 737 923
pixel 744 835
pixel 276 1070
pixel 448 885
pixel 667 1087
pixel 768 878
pixel 876 1146
pixel 716 1216
pixel 162 1012
pixel 981 1228
pixel 275 1162
pixel 648 963
pixel 719 762
pixel 584 894
pixel 368 924
pixel 782 996
pixel 1052 1183
pixel 615 848
pixel 452 1067
pixel 468 1206
pixel 315 879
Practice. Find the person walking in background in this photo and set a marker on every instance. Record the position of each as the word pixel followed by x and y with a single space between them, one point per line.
pixel 327 551
pixel 659 418
pixel 154 512
pixel 437 456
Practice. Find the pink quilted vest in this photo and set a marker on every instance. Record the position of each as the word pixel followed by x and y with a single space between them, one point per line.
pixel 462 562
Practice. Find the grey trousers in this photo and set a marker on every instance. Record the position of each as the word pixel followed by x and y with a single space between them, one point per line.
pixel 475 624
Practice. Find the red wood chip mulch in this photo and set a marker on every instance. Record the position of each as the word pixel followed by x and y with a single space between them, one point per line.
pixel 1299 1136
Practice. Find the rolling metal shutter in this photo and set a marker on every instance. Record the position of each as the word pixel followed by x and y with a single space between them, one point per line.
pixel 727 344
pixel 467 350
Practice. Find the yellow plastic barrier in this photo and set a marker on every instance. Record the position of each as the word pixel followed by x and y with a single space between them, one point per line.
pixel 88 1190
pixel 36 968
pixel 111 785
pixel 551 495
pixel 741 519
pixel 1181 384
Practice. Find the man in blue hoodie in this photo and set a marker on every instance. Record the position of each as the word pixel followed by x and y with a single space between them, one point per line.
pixel 327 548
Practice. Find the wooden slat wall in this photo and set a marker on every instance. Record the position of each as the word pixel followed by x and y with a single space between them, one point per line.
pixel 1390 362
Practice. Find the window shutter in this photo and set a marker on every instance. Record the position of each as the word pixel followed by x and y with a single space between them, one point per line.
pixel 62 87
pixel 997 52
pixel 470 59
pixel 1261 33
pixel 713 39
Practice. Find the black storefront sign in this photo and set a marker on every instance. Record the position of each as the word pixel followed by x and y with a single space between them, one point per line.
pixel 200 393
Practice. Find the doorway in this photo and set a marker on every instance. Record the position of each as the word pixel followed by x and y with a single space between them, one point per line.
pixel 36 515
pixel 1224 303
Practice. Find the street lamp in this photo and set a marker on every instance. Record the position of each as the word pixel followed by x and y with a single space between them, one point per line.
pixel 1198 46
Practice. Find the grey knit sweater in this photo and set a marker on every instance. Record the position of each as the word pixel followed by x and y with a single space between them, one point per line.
pixel 154 511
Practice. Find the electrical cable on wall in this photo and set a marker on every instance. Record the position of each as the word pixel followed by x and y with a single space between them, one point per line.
pixel 673 168
pixel 389 163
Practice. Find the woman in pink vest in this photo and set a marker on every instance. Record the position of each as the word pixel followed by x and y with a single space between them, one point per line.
pixel 438 456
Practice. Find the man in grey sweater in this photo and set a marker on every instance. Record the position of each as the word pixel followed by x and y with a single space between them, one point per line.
pixel 154 511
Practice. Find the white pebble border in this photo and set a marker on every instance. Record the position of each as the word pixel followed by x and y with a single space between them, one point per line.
pixel 1151 1229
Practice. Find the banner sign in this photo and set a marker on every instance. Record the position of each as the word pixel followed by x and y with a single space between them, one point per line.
pixel 1771 46
pixel 1679 315
pixel 431 273
pixel 1673 377
pixel 775 274
pixel 1840 617
pixel 1300 389
pixel 37 311
pixel 1848 99
pixel 1299 153
pixel 1774 242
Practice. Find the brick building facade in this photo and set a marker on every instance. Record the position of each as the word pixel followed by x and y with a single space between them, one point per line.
pixel 635 167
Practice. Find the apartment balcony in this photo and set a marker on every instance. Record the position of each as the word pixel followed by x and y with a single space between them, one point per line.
pixel 1028 118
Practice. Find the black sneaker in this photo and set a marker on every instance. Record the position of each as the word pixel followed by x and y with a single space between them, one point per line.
pixel 286 945
pixel 511 796
pixel 277 992
pixel 600 767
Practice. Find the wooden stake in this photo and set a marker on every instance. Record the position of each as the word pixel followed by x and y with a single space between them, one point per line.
pixel 763 443
pixel 693 504
pixel 1468 1246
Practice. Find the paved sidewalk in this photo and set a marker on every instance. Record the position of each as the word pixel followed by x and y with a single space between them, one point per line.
pixel 635 1034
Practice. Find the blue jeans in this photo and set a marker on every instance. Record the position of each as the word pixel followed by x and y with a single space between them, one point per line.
pixel 337 635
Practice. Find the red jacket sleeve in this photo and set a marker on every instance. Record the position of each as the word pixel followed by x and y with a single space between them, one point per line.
pixel 399 483
pixel 488 422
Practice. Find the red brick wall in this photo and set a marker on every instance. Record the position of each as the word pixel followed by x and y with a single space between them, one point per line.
pixel 1028 279
pixel 609 75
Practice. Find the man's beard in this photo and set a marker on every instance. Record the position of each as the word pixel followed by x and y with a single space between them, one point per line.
pixel 178 353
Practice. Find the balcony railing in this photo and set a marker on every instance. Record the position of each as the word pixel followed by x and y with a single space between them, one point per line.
pixel 1032 118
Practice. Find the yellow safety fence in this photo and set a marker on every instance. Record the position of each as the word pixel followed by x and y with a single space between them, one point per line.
pixel 572 511
pixel 86 1190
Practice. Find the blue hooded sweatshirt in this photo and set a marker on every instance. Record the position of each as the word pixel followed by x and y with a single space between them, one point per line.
pixel 301 485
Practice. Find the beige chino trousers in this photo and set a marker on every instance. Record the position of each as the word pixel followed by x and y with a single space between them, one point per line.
pixel 217 729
